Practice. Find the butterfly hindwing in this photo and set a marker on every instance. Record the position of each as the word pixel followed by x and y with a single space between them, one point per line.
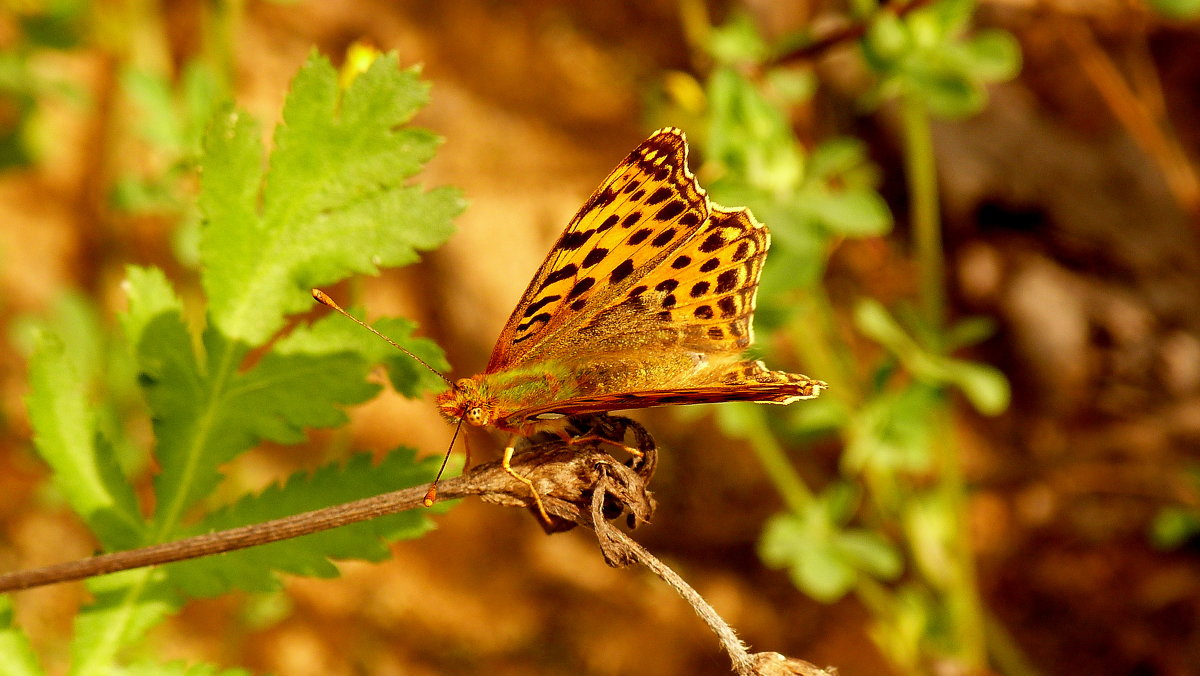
pixel 771 393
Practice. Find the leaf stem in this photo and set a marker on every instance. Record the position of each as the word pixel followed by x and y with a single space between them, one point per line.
pixel 775 461
pixel 921 173
pixel 962 600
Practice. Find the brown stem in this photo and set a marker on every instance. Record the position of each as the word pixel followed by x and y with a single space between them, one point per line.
pixel 841 35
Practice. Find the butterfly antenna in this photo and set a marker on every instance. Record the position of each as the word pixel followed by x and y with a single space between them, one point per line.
pixel 324 299
pixel 431 494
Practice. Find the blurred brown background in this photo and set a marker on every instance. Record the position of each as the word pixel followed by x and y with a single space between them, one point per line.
pixel 1066 219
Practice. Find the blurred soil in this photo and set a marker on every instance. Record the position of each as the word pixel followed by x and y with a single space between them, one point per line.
pixel 1060 225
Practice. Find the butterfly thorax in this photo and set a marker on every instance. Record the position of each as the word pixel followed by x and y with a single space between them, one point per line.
pixel 492 399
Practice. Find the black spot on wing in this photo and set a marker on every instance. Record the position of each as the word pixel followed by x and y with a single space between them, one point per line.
pixel 581 287
pixel 640 236
pixel 534 307
pixel 712 243
pixel 710 265
pixel 565 272
pixel 671 210
pixel 681 262
pixel 620 272
pixel 536 319
pixel 631 218
pixel 659 195
pixel 667 285
pixel 573 240
pixel 699 289
pixel 743 248
pixel 728 306
pixel 663 238
pixel 727 281
pixel 594 256
pixel 601 199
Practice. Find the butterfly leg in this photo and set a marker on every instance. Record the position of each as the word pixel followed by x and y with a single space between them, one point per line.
pixel 600 438
pixel 506 463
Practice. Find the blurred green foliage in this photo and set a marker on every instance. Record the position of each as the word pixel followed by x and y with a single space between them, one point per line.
pixel 891 528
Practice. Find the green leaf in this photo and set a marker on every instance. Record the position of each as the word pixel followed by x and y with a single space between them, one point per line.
pixel 969 331
pixel 852 212
pixel 206 414
pixel 253 569
pixel 64 427
pixel 737 41
pixel 984 386
pixel 835 157
pixel 336 183
pixel 16 653
pixel 125 606
pixel 945 92
pixel 872 553
pixel 892 433
pixel 993 56
pixel 805 550
pixel 887 40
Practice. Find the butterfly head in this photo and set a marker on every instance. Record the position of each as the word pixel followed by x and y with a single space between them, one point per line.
pixel 468 401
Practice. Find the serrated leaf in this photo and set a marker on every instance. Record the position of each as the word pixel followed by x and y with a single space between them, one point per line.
pixel 206 418
pixel 125 606
pixel 408 377
pixel 64 428
pixel 253 569
pixel 336 181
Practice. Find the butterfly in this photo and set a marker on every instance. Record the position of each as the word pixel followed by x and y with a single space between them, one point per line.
pixel 646 299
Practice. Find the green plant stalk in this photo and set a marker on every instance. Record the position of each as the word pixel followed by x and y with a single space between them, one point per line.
pixel 962 591
pixel 779 469
pixel 813 334
pixel 926 226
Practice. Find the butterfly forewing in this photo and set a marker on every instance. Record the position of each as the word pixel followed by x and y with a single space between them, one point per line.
pixel 646 208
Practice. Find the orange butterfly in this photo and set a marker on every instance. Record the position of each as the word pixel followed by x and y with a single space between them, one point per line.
pixel 646 299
